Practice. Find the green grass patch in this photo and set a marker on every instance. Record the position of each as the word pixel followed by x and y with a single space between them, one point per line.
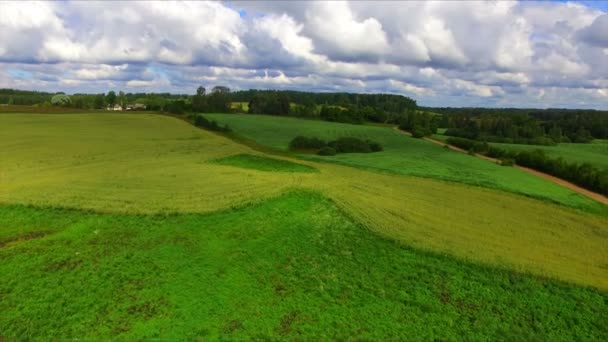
pixel 249 161
pixel 290 268
pixel 404 155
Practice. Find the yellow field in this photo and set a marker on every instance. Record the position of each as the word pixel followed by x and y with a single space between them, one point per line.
pixel 150 163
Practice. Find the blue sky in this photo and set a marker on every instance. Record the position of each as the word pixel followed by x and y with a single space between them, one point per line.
pixel 498 53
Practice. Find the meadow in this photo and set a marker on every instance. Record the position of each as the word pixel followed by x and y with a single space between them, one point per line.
pixel 402 155
pixel 143 226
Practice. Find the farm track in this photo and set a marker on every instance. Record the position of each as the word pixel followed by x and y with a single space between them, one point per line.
pixel 593 195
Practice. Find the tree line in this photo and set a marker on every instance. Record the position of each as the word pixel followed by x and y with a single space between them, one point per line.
pixel 525 126
pixel 584 175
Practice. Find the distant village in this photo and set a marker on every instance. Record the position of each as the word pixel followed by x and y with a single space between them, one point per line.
pixel 135 106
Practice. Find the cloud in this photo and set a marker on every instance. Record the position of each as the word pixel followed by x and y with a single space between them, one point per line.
pixel 465 53
pixel 597 32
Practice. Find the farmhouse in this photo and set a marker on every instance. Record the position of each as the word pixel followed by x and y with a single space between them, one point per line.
pixel 116 107
pixel 136 106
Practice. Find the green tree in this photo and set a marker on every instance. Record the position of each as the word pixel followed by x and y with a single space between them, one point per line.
pixel 199 101
pixel 111 98
pixel 122 99
pixel 60 100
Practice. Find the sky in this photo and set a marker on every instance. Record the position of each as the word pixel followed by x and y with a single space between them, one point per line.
pixel 466 54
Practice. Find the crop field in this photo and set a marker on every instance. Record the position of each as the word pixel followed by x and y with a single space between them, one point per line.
pixel 286 247
pixel 402 155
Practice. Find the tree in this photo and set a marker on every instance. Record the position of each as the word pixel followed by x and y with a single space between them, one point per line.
pixel 111 98
pixel 200 91
pixel 219 100
pixel 122 100
pixel 61 100
pixel 199 101
pixel 98 102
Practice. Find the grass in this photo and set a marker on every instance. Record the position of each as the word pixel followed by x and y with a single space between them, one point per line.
pixel 136 164
pixel 402 155
pixel 293 267
pixel 249 161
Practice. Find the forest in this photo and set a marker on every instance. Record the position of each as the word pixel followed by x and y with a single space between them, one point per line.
pixel 525 126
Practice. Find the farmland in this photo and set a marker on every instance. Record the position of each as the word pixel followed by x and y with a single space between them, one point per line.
pixel 402 155
pixel 132 211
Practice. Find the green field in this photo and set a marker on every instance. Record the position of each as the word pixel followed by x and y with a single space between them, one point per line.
pixel 402 155
pixel 138 226
pixel 292 267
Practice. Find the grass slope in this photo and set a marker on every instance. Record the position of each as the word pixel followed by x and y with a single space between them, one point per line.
pixel 290 268
pixel 149 164
pixel 402 155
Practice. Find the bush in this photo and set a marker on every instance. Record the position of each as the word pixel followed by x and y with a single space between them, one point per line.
pixel 350 145
pixel 306 143
pixel 374 146
pixel 341 145
pixel 507 162
pixel 420 132
pixel 327 151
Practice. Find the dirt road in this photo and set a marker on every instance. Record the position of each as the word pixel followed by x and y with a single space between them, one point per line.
pixel 593 195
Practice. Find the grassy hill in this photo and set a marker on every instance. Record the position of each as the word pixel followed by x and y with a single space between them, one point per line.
pixel 402 155
pixel 176 232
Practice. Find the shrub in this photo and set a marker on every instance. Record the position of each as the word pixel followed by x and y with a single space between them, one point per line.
pixel 327 151
pixel 374 146
pixel 507 162
pixel 350 145
pixel 201 121
pixel 304 143
pixel 420 132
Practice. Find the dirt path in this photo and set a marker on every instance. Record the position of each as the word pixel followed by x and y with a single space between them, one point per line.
pixel 593 195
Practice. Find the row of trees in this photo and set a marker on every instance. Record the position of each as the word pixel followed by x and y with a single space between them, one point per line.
pixel 525 126
pixel 585 175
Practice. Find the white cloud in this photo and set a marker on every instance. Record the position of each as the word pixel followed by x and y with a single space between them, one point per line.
pixel 466 53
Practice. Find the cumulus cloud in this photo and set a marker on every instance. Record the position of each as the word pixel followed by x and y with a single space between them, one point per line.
pixel 441 53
